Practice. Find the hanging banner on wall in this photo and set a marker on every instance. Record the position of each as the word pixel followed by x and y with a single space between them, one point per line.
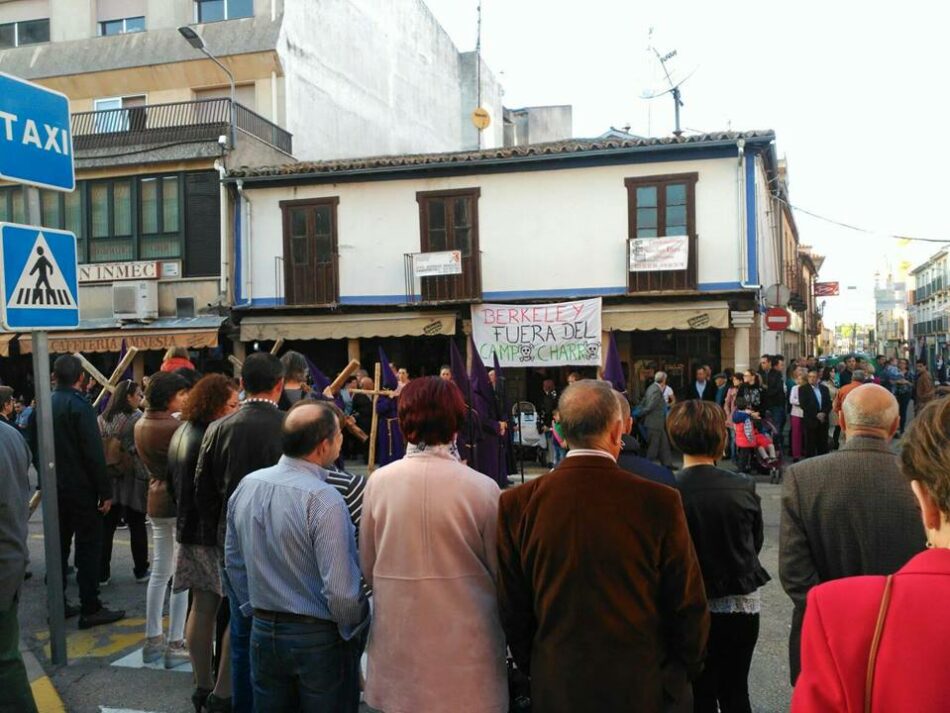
pixel 656 254
pixel 560 334
pixel 447 262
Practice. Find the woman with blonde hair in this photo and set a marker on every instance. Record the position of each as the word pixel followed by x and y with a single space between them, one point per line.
pixel 176 358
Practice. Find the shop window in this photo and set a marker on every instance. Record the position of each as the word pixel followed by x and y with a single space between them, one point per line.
pixel 448 220
pixel 311 259
pixel 663 206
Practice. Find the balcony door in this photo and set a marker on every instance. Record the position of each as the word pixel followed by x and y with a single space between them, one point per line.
pixel 121 114
pixel 449 221
pixel 311 260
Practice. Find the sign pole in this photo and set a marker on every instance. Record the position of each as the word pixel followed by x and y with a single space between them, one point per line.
pixel 47 473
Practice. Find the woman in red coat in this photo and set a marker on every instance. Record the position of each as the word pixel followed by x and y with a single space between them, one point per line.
pixel 907 669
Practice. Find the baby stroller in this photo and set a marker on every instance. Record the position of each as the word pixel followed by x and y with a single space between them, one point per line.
pixel 751 435
pixel 527 439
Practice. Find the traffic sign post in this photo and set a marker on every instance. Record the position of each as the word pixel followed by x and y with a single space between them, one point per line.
pixel 39 286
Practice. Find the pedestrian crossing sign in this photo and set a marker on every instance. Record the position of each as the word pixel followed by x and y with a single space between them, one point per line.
pixel 39 278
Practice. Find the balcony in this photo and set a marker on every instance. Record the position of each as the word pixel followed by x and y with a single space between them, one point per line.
pixel 446 278
pixel 159 126
pixel 663 280
pixel 795 281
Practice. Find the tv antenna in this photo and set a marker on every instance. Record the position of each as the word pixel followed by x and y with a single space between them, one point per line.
pixel 674 87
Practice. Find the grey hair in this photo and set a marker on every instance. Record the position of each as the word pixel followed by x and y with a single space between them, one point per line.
pixel 659 376
pixel 859 375
pixel 588 410
pixel 857 416
pixel 295 366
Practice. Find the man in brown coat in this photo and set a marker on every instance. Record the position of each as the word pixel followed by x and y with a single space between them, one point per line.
pixel 599 588
pixel 923 387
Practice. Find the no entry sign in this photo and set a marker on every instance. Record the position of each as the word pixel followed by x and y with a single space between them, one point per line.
pixel 777 319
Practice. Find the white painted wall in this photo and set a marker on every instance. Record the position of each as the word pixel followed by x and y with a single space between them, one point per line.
pixel 365 78
pixel 540 230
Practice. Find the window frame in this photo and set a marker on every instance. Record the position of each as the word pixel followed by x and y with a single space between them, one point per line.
pixel 227 13
pixel 467 285
pixel 290 286
pixel 125 26
pixel 16 32
pixel 666 280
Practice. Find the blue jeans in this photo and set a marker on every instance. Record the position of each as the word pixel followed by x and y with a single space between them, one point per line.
pixel 242 696
pixel 304 667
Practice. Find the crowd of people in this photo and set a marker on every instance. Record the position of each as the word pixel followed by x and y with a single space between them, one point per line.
pixel 610 583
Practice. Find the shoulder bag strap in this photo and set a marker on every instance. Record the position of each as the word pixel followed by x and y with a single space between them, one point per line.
pixel 876 643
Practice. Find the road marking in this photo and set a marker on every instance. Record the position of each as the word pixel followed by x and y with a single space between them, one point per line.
pixel 103 709
pixel 46 697
pixel 134 660
pixel 100 641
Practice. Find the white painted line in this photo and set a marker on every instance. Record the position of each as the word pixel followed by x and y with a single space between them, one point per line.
pixel 134 660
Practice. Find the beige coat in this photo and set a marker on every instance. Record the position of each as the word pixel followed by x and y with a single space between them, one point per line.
pixel 427 547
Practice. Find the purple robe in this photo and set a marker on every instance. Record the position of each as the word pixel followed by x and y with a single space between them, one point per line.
pixel 390 445
pixel 489 453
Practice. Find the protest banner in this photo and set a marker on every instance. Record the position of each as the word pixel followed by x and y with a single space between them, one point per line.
pixel 657 254
pixel 560 334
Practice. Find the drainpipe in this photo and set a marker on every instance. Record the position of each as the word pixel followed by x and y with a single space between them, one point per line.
pixel 246 240
pixel 223 218
pixel 743 221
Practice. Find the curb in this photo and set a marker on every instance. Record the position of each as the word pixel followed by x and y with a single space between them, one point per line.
pixel 44 692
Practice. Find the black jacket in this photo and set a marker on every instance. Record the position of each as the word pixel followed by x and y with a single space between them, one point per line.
pixel 183 452
pixel 363 411
pixel 809 404
pixel 233 447
pixel 774 390
pixel 80 461
pixel 691 392
pixel 631 461
pixel 725 520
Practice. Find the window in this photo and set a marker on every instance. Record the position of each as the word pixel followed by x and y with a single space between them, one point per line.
pixel 26 32
pixel 663 206
pixel 64 211
pixel 311 262
pixel 12 205
pixel 122 27
pixel 216 10
pixel 110 208
pixel 117 114
pixel 448 220
pixel 159 215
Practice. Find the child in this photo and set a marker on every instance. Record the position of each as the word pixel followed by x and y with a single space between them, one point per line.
pixel 748 436
pixel 560 445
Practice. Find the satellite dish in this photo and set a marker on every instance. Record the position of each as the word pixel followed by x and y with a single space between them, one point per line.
pixel 778 295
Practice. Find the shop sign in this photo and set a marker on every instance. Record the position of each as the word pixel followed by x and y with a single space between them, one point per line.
pixel 558 334
pixel 116 271
pixel 656 254
pixel 447 262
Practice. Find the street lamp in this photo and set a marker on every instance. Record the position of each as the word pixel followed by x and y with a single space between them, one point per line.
pixel 194 39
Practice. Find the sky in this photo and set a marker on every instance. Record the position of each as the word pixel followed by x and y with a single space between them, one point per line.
pixel 854 91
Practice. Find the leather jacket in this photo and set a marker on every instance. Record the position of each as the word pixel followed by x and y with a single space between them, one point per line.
pixel 725 520
pixel 232 447
pixel 191 528
pixel 153 433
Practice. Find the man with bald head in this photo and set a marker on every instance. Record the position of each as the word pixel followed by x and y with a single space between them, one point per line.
pixel 290 555
pixel 849 512
pixel 599 588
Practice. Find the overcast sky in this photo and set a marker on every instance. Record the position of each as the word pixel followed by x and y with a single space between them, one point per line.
pixel 855 93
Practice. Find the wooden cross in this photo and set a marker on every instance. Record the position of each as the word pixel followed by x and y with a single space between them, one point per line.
pixel 238 364
pixel 108 385
pixel 375 392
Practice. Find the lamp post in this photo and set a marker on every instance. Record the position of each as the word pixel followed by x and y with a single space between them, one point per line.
pixel 195 40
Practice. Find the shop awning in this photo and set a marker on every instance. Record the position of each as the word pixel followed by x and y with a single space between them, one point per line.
pixel 347 326
pixel 5 340
pixel 193 333
pixel 666 315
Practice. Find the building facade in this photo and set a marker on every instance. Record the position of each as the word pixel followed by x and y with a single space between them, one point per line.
pixel 890 322
pixel 929 310
pixel 330 248
pixel 155 126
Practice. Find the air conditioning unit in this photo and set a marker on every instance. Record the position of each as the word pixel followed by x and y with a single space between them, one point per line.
pixel 135 300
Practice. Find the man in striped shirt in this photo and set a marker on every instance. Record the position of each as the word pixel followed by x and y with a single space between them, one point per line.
pixel 290 554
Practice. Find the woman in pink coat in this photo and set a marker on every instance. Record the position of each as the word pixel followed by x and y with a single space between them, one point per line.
pixel 427 548
pixel 879 644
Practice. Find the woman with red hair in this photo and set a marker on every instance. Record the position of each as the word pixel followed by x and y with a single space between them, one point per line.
pixel 427 548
